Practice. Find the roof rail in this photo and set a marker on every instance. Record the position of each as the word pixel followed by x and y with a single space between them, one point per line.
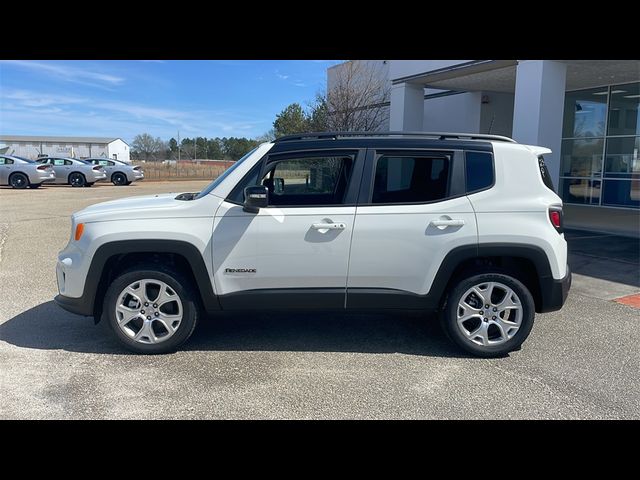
pixel 438 135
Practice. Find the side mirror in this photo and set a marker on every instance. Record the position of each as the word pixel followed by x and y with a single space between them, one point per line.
pixel 255 198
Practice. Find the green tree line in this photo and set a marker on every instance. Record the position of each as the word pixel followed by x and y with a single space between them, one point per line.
pixel 146 147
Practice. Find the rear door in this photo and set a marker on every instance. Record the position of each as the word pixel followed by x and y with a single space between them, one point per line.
pixel 295 252
pixel 412 211
pixel 5 170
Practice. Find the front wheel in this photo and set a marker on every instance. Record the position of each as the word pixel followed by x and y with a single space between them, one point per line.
pixel 489 314
pixel 77 180
pixel 151 309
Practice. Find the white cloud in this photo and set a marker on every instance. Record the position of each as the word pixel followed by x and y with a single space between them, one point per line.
pixel 68 73
pixel 281 76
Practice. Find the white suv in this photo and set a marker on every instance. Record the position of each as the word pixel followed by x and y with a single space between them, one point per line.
pixel 466 225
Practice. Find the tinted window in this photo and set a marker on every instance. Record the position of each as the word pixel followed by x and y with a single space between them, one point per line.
pixel 544 173
pixel 58 161
pixel 410 179
pixel 479 170
pixel 68 162
pixel 308 181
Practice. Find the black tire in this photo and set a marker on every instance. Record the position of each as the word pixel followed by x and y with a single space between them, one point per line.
pixel 119 179
pixel 450 315
pixel 18 180
pixel 77 179
pixel 180 285
pixel 89 184
pixel 35 185
pixel 129 183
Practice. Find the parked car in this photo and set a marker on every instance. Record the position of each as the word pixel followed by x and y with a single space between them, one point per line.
pixel 21 172
pixel 74 172
pixel 468 226
pixel 118 172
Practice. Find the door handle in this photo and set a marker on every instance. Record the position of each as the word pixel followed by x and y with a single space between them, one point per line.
pixel 447 223
pixel 325 227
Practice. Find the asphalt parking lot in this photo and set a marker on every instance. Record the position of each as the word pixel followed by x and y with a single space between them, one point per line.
pixel 580 362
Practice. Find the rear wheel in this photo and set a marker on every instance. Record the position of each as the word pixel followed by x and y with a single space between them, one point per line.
pixel 489 314
pixel 19 180
pixel 151 309
pixel 119 179
pixel 77 180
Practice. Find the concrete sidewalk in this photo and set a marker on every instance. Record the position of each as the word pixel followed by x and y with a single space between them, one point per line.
pixel 604 266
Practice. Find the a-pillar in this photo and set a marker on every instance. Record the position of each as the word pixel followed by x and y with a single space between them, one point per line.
pixel 538 108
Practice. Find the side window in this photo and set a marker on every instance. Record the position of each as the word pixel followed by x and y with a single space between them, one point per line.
pixel 309 180
pixel 68 162
pixel 2 161
pixel 410 179
pixel 478 170
pixel 111 164
pixel 9 161
pixel 544 173
pixel 58 161
pixel 104 162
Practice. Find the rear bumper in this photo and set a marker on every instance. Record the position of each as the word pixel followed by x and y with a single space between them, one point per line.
pixel 554 292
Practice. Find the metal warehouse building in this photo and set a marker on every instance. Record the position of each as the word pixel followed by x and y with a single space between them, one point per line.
pixel 29 146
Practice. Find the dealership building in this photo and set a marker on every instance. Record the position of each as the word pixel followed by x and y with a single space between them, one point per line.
pixel 32 146
pixel 585 111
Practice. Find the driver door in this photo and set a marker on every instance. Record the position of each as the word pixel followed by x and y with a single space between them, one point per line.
pixel 295 252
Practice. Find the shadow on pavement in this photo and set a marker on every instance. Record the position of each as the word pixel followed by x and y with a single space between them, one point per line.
pixel 604 256
pixel 49 327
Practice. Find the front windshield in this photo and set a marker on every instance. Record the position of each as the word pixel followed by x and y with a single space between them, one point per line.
pixel 209 188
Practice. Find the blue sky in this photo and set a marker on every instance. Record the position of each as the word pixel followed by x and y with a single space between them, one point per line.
pixel 123 98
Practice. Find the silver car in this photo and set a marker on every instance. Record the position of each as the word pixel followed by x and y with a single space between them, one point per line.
pixel 118 172
pixel 20 172
pixel 74 172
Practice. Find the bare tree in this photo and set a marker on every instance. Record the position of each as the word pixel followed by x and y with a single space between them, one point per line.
pixel 357 98
pixel 148 147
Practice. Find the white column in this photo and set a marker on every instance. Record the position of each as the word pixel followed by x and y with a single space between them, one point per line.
pixel 538 108
pixel 407 107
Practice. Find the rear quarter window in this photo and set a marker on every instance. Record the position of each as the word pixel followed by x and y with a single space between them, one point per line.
pixel 544 173
pixel 478 171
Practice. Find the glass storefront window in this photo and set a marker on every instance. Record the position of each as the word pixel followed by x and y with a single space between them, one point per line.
pixel 621 193
pixel 600 151
pixel 621 159
pixel 582 158
pixel 581 190
pixel 624 114
pixel 585 113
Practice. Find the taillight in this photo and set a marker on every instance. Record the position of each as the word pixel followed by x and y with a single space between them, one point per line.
pixel 136 168
pixel 42 167
pixel 555 217
pixel 97 167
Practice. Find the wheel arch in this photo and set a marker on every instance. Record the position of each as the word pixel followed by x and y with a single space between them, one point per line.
pixel 112 258
pixel 13 174
pixel 76 171
pixel 119 172
pixel 527 263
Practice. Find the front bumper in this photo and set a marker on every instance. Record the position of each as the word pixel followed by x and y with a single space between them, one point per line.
pixel 554 292
pixel 79 306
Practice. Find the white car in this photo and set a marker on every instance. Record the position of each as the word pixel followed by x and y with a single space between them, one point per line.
pixel 19 172
pixel 73 171
pixel 119 173
pixel 465 225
